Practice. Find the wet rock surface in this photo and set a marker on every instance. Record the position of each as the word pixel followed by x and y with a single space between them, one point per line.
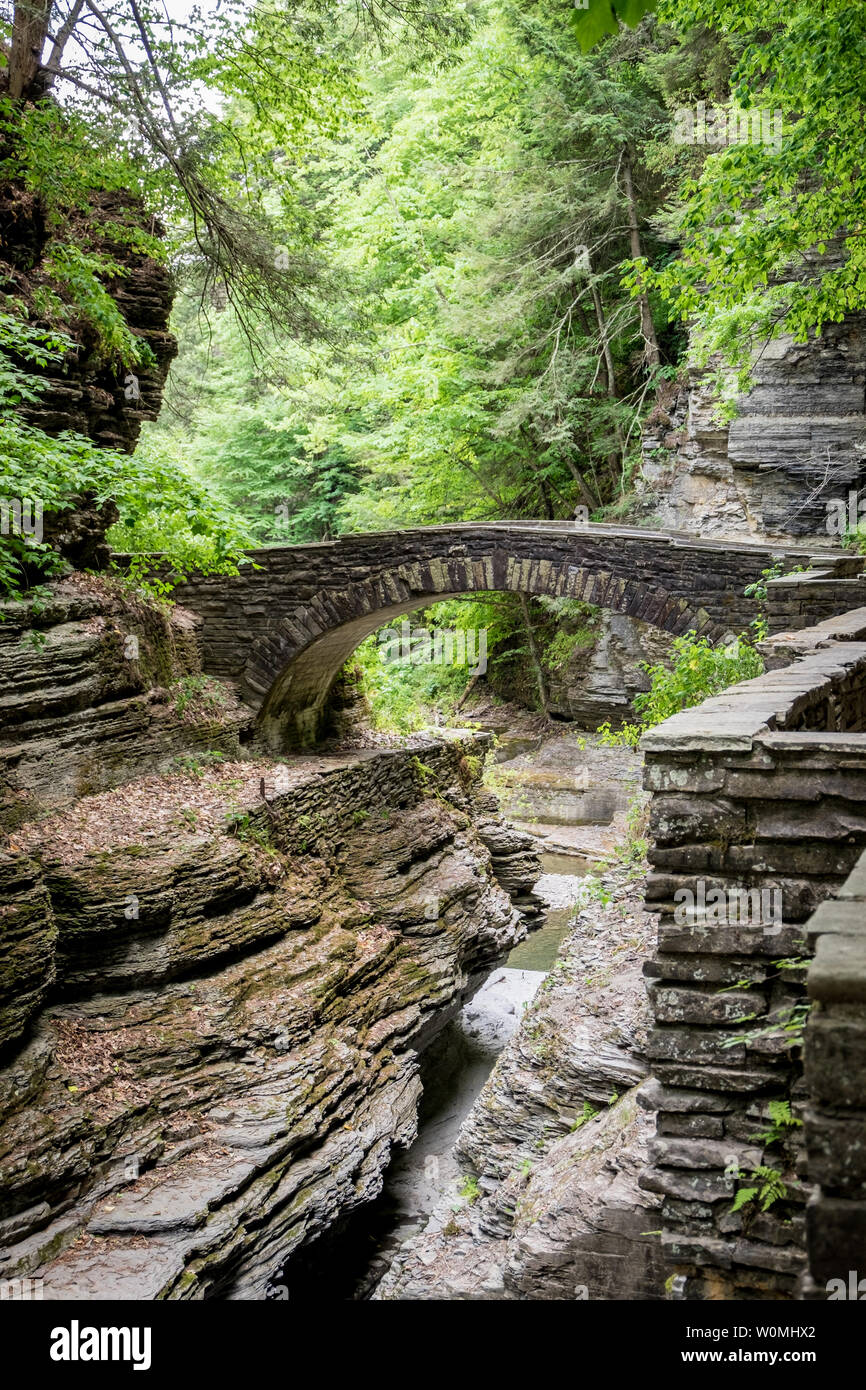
pixel 572 792
pixel 557 1140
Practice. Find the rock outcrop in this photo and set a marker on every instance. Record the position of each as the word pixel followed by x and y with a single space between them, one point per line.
pixel 570 782
pixel 558 1139
pixel 513 854
pixel 598 683
pixel 798 440
pixel 105 401
pixel 594 676
pixel 88 389
pixel 98 687
pixel 213 991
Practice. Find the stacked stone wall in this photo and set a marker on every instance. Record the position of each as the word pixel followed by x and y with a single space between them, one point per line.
pixel 758 818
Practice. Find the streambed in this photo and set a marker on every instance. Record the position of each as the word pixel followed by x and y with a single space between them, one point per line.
pixel 428 1176
pixel 350 1261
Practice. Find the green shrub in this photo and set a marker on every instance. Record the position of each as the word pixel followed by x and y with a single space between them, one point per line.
pixel 161 506
pixel 699 670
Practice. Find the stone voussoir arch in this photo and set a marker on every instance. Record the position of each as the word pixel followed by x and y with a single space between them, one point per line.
pixel 292 668
pixel 282 628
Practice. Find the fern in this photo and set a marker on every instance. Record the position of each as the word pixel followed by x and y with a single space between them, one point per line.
pixel 781 1122
pixel 768 1190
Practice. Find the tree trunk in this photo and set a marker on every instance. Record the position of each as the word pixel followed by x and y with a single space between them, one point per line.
pixel 605 345
pixel 30 23
pixel 651 346
pixel 614 459
pixel 468 691
pixel 535 657
pixel 593 502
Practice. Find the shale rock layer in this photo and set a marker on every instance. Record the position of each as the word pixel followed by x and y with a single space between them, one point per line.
pixel 215 988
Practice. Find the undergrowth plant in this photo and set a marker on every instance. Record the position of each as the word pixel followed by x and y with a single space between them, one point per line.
pixel 698 670
pixel 161 507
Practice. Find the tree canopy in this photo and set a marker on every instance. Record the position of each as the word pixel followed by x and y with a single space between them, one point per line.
pixel 433 261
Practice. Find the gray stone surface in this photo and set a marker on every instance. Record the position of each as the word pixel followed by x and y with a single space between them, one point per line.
pixel 759 791
pixel 558 1139
pixel 230 1071
pixel 836 1077
pixel 284 629
pixel 94 692
pixel 796 441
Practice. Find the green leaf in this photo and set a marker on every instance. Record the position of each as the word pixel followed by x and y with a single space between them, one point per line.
pixel 594 24
pixel 631 12
pixel 599 18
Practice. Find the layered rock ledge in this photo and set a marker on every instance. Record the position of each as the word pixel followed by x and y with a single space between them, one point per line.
pixel 99 686
pixel 213 1000
pixel 557 1139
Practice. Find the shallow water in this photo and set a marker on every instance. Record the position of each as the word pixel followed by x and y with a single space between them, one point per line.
pixel 562 887
pixel 460 1061
pixel 454 1068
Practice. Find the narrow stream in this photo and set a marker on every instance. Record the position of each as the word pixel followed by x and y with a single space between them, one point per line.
pixel 350 1261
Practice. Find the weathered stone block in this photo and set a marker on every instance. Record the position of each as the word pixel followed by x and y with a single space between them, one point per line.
pixel 836 1056
pixel 672 1099
pixel 696 1045
pixel 704 1006
pixel 709 939
pixel 737 1080
pixel 836 1147
pixel 836 1232
pixel 706 970
pixel 677 819
pixel 845 918
pixel 700 1186
pixel 837 975
pixel 692 1126
pixel 702 1153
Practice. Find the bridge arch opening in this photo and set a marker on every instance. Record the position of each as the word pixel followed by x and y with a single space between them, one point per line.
pixel 295 709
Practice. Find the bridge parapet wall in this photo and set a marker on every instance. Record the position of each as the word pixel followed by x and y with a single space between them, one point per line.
pixel 759 792
pixel 798 601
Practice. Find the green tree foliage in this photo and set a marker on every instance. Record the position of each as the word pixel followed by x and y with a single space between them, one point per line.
pixel 233 418
pixel 773 231
pixel 509 359
pixel 698 670
pixel 484 358
pixel 47 473
pixel 595 19
pixel 403 696
pixel 434 258
pixel 201 121
pixel 200 114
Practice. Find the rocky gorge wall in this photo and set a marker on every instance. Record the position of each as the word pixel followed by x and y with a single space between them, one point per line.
pixel 753 1185
pixel 86 394
pixel 217 973
pixel 214 987
pixel 594 676
pixel 798 439
pixel 97 687
pixel 558 1139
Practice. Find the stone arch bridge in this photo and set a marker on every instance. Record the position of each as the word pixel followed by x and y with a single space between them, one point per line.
pixel 285 625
